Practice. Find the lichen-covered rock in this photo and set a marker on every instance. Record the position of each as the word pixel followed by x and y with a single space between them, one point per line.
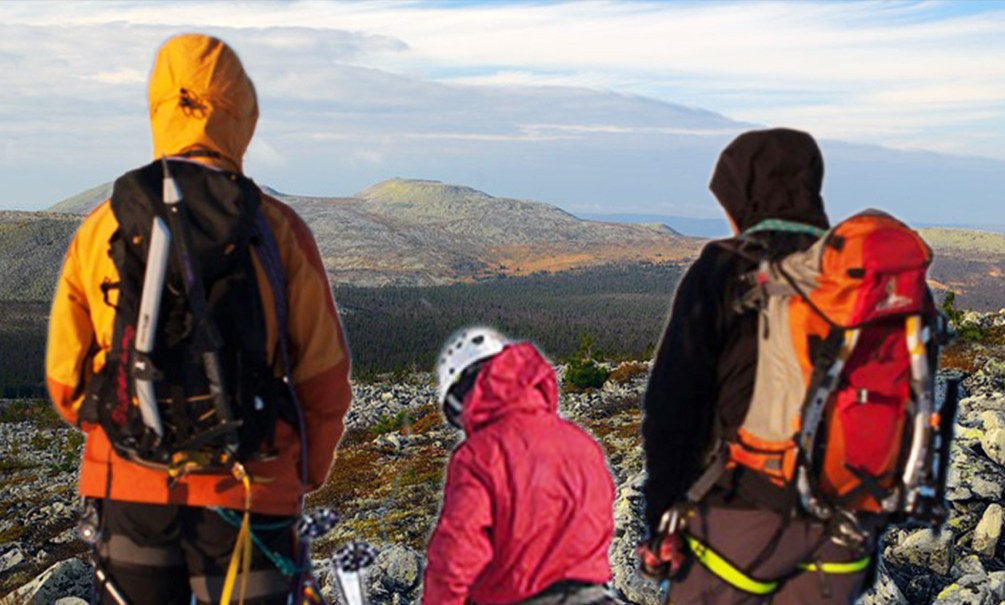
pixel 988 531
pixel 69 578
pixel 996 580
pixel 630 531
pixel 966 566
pixel 969 590
pixel 993 443
pixel 12 558
pixel 988 379
pixel 926 548
pixel 399 568
pixel 974 476
pixel 883 592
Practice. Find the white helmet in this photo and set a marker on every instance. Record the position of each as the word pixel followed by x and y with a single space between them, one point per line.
pixel 463 349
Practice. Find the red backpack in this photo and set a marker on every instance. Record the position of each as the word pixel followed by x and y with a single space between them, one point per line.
pixel 843 404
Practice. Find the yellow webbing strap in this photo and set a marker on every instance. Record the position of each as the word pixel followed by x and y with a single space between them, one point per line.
pixel 242 549
pixel 838 569
pixel 727 572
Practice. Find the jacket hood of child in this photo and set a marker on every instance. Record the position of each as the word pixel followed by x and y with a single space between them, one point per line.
pixel 528 500
pixel 517 380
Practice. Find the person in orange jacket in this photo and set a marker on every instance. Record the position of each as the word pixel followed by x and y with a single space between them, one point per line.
pixel 161 543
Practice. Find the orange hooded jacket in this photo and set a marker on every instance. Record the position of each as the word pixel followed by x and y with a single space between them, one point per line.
pixel 201 99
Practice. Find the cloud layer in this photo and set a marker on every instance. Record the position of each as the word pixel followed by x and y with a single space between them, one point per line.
pixel 591 105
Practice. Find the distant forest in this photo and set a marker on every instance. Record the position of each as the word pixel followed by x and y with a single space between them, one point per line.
pixel 618 309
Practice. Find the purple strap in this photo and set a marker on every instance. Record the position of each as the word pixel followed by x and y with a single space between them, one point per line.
pixel 272 264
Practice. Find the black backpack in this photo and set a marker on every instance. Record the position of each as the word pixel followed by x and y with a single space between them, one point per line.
pixel 207 424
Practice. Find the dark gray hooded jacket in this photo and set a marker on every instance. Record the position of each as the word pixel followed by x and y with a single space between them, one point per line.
pixel 703 376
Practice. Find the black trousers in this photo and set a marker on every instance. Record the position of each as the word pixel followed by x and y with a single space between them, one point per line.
pixel 164 554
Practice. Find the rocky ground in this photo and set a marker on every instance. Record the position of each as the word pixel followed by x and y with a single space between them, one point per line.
pixel 389 473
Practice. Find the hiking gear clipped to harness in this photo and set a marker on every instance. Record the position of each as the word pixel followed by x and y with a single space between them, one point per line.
pixel 664 556
pixel 848 339
pixel 187 386
pixel 351 562
pixel 464 349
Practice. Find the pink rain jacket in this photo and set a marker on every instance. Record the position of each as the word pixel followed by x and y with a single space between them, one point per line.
pixel 528 499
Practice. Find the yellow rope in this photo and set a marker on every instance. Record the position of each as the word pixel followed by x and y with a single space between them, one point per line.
pixel 241 558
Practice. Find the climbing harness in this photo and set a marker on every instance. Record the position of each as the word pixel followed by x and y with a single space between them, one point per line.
pixel 729 573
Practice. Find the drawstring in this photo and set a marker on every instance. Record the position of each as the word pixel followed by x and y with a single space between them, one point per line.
pixel 242 549
pixel 190 104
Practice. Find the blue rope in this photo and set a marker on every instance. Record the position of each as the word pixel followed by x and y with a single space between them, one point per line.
pixel 285 565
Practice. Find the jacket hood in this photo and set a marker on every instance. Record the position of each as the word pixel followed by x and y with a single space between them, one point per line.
pixel 518 379
pixel 771 174
pixel 201 99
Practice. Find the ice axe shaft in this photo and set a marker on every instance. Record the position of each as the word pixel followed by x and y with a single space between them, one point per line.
pixel 146 328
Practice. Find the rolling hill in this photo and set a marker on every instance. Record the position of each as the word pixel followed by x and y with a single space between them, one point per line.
pixel 970 263
pixel 399 232
pixel 410 232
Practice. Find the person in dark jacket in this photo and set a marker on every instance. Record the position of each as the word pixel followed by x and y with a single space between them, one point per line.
pixel 527 511
pixel 768 182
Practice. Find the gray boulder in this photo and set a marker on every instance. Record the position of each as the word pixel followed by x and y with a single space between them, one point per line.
pixel 967 566
pixel 973 589
pixel 973 476
pixel 12 558
pixel 925 548
pixel 883 592
pixel 69 578
pixel 993 444
pixel 629 531
pixel 399 568
pixel 988 531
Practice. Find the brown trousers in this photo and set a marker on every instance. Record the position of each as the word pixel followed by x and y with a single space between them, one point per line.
pixel 744 538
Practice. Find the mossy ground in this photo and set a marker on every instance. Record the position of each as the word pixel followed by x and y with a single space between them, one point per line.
pixel 386 495
pixel 964 354
pixel 37 468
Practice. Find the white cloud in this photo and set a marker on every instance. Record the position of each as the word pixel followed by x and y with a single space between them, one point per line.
pixel 364 88
pixel 262 154
pixel 755 61
pixel 121 76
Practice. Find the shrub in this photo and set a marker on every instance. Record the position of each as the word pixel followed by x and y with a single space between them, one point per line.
pixel 627 372
pixel 965 331
pixel 388 424
pixel 582 375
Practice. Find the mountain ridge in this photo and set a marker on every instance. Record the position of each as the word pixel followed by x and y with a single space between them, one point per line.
pixel 421 232
pixel 412 232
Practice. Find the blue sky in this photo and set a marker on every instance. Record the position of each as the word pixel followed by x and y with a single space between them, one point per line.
pixel 596 106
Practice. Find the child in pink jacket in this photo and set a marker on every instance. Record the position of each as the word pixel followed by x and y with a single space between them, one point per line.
pixel 527 511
